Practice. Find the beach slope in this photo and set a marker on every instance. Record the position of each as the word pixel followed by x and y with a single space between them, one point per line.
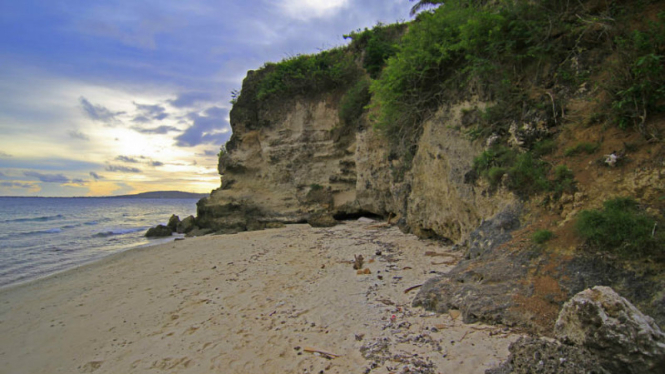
pixel 254 302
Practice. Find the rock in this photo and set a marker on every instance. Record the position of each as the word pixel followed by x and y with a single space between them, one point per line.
pixel 186 225
pixel 158 231
pixel 322 220
pixel 198 232
pixel 173 223
pixel 609 326
pixel 544 356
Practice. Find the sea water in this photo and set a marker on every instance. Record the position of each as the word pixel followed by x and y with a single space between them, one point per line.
pixel 42 236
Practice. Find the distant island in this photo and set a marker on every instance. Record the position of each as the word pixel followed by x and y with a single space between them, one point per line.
pixel 164 195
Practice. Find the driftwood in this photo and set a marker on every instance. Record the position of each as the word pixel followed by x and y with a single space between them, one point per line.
pixel 434 254
pixel 412 288
pixel 323 353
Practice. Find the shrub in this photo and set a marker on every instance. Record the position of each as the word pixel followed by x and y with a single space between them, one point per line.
pixel 543 147
pixel 564 180
pixel 377 45
pixel 542 236
pixel 305 74
pixel 620 227
pixel 354 101
pixel 528 176
pixel 638 86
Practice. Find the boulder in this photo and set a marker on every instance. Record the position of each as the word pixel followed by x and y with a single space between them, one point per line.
pixel 322 220
pixel 609 326
pixel 546 356
pixel 158 231
pixel 186 225
pixel 198 232
pixel 173 223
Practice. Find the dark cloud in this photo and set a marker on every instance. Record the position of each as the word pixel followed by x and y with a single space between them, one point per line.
pixel 122 169
pixel 210 128
pixel 141 119
pixel 211 153
pixel 5 155
pixel 156 163
pixel 78 135
pixel 149 113
pixel 190 99
pixel 47 178
pixel 79 182
pixel 96 176
pixel 16 185
pixel 157 130
pixel 98 112
pixel 127 159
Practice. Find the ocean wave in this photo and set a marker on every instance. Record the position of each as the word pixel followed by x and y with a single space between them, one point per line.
pixel 114 232
pixel 35 219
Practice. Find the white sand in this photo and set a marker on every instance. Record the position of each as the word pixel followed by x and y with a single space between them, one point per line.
pixel 245 303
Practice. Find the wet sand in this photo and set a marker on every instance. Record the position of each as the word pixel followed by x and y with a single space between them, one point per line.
pixel 256 302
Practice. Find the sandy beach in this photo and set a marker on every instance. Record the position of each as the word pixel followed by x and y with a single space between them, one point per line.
pixel 255 302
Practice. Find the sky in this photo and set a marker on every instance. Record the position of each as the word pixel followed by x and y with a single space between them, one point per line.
pixel 113 97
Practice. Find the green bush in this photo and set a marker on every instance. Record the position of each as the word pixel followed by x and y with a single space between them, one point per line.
pixel 586 147
pixel 542 236
pixel 305 74
pixel 638 85
pixel 354 101
pixel 376 45
pixel 620 227
pixel 528 176
pixel 543 148
pixel 564 180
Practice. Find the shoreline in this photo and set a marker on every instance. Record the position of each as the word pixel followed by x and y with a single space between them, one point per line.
pixel 250 302
pixel 89 262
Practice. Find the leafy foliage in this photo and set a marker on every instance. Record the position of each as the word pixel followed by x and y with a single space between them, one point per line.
pixel 304 74
pixel 376 45
pixel 620 227
pixel 638 86
pixel 354 101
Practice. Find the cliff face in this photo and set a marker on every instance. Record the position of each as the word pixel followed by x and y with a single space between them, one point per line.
pixel 294 155
pixel 294 158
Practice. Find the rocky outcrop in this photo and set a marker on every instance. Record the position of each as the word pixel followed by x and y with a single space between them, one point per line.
pixel 483 287
pixel 174 221
pixel 597 331
pixel 322 220
pixel 294 157
pixel 158 231
pixel 186 225
pixel 613 329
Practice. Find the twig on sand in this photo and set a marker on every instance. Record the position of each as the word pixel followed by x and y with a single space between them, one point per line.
pixel 412 288
pixel 464 336
pixel 323 353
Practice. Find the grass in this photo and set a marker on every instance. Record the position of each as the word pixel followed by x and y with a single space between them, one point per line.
pixel 582 147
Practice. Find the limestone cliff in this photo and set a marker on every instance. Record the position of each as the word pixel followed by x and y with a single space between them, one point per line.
pixel 294 155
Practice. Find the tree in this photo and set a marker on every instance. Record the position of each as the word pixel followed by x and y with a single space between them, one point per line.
pixel 422 4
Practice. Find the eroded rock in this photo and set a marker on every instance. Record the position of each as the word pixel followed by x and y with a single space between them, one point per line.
pixel 186 225
pixel 322 220
pixel 609 326
pixel 173 223
pixel 158 231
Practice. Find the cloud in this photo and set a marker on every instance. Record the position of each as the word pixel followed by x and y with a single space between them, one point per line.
pixel 127 159
pixel 47 178
pixel 157 130
pixel 16 185
pixel 156 163
pixel 308 9
pixel 2 174
pixel 5 155
pixel 98 112
pixel 190 99
pixel 122 169
pixel 149 113
pixel 79 182
pixel 78 135
pixel 96 176
pixel 210 153
pixel 206 129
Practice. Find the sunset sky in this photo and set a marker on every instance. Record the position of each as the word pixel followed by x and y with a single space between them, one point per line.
pixel 114 97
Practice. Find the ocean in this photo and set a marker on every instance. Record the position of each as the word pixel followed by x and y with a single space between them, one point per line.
pixel 43 236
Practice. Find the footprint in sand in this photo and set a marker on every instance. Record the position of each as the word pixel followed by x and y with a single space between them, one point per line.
pixel 91 366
